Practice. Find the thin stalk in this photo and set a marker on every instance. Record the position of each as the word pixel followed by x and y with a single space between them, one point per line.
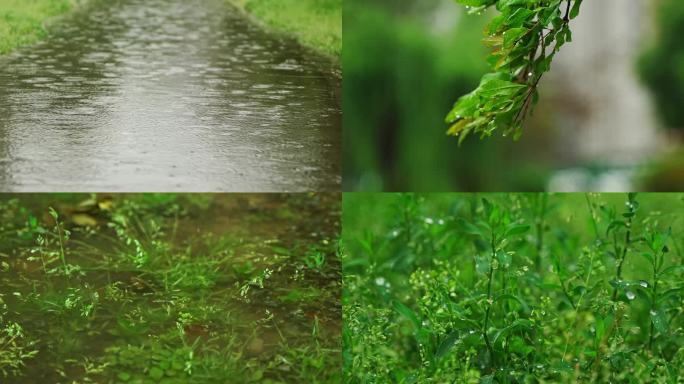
pixel 628 240
pixel 651 336
pixel 591 215
pixel 565 291
pixel 485 323
pixel 579 305
pixel 540 231
pixel 61 248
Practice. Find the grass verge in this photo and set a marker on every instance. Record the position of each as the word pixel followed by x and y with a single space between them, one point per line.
pixel 314 23
pixel 23 22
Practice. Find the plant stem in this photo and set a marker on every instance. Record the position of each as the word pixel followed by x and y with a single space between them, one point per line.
pixel 540 230
pixel 566 18
pixel 628 240
pixel 591 215
pixel 654 303
pixel 485 324
pixel 61 248
pixel 579 304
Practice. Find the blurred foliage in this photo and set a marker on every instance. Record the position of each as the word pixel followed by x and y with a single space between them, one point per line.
pixel 404 63
pixel 662 66
pixel 665 174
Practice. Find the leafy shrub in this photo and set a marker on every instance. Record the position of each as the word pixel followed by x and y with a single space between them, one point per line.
pixel 524 37
pixel 513 288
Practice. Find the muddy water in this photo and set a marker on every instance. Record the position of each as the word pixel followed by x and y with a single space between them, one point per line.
pixel 163 95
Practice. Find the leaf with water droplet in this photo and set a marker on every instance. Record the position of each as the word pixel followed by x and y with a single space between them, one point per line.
pixel 659 320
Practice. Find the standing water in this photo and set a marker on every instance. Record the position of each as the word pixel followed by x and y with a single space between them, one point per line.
pixel 165 95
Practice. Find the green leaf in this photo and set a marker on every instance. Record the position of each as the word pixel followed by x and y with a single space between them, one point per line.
pixel 659 320
pixel 407 313
pixel 156 373
pixel 471 228
pixel 574 12
pixel 512 36
pixel 517 299
pixel 451 340
pixel 517 229
pixel 516 325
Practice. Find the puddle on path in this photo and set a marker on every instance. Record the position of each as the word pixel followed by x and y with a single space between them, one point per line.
pixel 170 289
pixel 167 95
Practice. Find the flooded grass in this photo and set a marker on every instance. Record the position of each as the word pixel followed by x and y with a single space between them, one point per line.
pixel 169 288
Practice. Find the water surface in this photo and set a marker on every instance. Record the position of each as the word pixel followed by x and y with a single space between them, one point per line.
pixel 166 95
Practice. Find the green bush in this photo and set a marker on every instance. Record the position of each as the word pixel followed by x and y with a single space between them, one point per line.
pixel 513 288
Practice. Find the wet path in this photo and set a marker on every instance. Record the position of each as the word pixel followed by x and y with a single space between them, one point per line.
pixel 164 95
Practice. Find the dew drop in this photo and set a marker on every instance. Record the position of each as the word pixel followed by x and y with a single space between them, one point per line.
pixel 643 284
pixel 630 295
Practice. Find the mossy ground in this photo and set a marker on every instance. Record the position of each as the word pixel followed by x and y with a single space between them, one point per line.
pixel 169 289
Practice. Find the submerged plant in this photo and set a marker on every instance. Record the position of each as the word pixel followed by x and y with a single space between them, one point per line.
pixel 524 38
pixel 150 289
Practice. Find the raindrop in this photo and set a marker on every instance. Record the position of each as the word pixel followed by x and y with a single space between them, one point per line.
pixel 380 281
pixel 644 284
pixel 630 295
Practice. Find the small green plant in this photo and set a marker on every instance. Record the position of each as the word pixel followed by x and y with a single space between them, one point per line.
pixel 524 38
pixel 152 289
pixel 62 236
pixel 15 348
pixel 514 288
pixel 314 259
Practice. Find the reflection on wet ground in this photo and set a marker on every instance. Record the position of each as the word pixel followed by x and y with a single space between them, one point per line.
pixel 162 95
pixel 206 288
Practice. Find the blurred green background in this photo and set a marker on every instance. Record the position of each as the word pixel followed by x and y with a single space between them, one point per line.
pixel 404 65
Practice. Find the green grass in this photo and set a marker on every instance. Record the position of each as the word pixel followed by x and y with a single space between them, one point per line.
pixel 513 288
pixel 22 22
pixel 169 289
pixel 314 23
